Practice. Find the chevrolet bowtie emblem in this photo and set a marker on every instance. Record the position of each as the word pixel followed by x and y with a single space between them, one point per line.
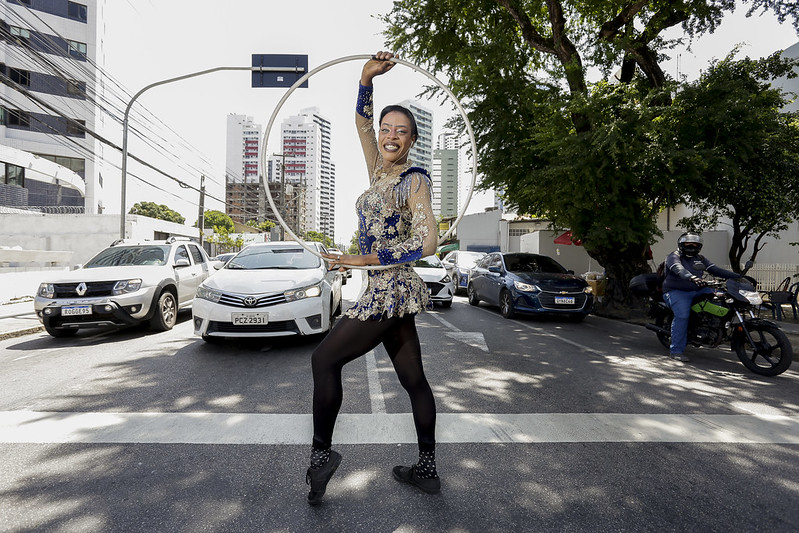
pixel 81 289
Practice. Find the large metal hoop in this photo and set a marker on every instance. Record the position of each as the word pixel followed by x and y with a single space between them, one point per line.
pixel 320 68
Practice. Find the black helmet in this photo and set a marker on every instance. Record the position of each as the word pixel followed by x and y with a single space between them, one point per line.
pixel 690 244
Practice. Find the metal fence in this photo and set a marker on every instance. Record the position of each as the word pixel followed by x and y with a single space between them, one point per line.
pixel 769 276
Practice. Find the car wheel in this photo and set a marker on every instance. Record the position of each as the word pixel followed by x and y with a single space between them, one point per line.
pixel 60 333
pixel 506 304
pixel 470 292
pixel 166 312
pixel 455 283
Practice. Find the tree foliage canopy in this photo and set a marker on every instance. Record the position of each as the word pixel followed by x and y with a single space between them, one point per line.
pixel 266 225
pixel 153 210
pixel 216 220
pixel 594 157
pixel 731 120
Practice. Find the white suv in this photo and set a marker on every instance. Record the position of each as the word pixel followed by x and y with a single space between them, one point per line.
pixel 127 283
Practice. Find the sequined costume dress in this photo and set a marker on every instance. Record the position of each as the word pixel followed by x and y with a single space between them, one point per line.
pixel 396 221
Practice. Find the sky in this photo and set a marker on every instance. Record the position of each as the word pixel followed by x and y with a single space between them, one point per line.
pixel 150 40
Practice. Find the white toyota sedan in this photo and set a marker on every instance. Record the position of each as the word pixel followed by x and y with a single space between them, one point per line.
pixel 439 284
pixel 268 289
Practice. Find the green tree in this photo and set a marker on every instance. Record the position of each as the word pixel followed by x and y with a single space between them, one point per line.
pixel 595 158
pixel 217 220
pixel 318 237
pixel 153 210
pixel 731 120
pixel 264 226
pixel 225 243
pixel 354 248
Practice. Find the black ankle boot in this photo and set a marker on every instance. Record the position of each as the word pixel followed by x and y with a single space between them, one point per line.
pixel 317 477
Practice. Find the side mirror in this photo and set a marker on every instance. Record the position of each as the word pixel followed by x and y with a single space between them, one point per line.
pixel 218 264
pixel 77 267
pixel 182 263
pixel 495 269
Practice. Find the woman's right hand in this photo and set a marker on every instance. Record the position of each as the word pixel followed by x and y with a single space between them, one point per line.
pixel 380 64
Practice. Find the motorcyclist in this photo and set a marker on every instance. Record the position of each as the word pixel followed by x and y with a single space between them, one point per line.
pixel 684 269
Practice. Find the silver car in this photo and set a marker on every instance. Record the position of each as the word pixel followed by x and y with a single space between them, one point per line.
pixel 127 283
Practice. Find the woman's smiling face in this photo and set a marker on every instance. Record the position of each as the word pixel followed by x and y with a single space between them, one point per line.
pixel 395 138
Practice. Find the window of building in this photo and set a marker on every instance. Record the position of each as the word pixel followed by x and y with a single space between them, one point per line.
pixel 19 33
pixel 20 76
pixel 75 164
pixel 19 118
pixel 75 88
pixel 12 174
pixel 77 11
pixel 76 127
pixel 77 49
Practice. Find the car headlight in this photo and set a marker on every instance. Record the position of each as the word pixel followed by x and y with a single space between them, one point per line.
pixel 125 286
pixel 306 292
pixel 46 290
pixel 445 279
pixel 525 287
pixel 211 295
pixel 588 290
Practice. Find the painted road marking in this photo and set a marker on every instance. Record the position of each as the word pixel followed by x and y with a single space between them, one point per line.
pixel 472 338
pixel 375 389
pixel 251 428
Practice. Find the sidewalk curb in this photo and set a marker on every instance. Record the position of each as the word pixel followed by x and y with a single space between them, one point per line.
pixel 20 332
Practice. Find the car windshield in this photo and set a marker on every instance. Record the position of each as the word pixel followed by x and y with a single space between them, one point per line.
pixel 468 259
pixel 260 257
pixel 130 255
pixel 532 263
pixel 428 262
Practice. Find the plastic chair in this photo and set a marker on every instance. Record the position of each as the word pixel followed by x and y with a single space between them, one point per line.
pixel 781 296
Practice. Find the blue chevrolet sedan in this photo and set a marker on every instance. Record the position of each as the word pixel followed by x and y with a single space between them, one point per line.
pixel 521 282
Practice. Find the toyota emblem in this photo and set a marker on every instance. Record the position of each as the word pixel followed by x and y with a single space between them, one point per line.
pixel 250 301
pixel 81 289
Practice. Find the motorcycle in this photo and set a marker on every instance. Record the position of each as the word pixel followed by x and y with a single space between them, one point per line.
pixel 725 315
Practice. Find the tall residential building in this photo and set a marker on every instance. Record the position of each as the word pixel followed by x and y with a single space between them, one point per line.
pixel 49 54
pixel 305 141
pixel 243 188
pixel 445 182
pixel 422 152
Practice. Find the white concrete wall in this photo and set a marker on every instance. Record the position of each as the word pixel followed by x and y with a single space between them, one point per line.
pixel 480 229
pixel 85 235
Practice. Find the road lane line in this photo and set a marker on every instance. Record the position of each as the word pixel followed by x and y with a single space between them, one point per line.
pixel 543 333
pixel 252 428
pixel 473 338
pixel 375 390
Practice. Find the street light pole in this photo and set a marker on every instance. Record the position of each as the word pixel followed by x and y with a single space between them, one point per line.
pixel 123 189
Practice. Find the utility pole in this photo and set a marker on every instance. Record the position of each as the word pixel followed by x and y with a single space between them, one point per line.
pixel 201 216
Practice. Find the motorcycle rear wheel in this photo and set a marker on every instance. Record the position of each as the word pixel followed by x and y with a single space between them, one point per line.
pixel 665 323
pixel 771 354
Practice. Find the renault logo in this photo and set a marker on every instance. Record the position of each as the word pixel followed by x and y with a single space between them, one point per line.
pixel 250 301
pixel 81 289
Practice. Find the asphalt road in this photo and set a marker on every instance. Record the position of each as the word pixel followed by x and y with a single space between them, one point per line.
pixel 543 426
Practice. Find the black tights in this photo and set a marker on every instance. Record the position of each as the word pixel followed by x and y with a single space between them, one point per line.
pixel 352 338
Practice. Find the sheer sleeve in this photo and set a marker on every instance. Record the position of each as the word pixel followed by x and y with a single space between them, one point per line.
pixel 414 191
pixel 364 122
